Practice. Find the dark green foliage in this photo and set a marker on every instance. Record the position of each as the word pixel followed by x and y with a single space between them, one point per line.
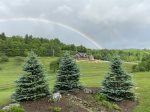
pixel 144 65
pixel 54 65
pixel 68 75
pixel 4 58
pixel 33 82
pixel 2 36
pixel 82 49
pixel 118 85
pixel 19 46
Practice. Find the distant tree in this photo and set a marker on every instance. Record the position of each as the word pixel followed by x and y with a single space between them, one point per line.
pixel 68 75
pixel 81 48
pixel 144 65
pixel 118 85
pixel 3 36
pixel 33 83
pixel 28 38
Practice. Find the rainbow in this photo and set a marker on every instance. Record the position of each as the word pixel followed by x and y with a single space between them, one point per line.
pixel 56 23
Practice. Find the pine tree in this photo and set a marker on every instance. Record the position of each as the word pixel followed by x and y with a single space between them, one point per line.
pixel 33 83
pixel 118 85
pixel 68 75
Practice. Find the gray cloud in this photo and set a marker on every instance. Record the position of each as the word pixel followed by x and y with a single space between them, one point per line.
pixel 111 23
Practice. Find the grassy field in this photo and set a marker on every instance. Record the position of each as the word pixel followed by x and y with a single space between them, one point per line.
pixel 91 75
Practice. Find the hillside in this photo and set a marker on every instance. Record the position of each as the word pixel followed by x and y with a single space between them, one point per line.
pixel 92 75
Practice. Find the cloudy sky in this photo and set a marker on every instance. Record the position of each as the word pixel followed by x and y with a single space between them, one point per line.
pixel 93 23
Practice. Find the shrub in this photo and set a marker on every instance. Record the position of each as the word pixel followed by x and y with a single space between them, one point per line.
pixel 101 99
pixel 54 109
pixel 135 68
pixel 54 65
pixel 2 111
pixel 57 109
pixel 18 60
pixel 4 58
pixel 142 66
pixel 110 105
pixel 16 109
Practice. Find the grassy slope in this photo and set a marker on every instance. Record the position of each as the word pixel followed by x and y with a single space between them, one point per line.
pixel 91 75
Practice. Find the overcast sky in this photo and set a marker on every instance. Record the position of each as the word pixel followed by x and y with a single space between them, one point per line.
pixel 93 23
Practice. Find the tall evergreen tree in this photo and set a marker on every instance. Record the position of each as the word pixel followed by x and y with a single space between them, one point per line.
pixel 68 75
pixel 33 83
pixel 118 85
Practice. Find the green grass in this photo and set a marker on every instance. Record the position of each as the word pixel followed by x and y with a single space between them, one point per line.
pixel 92 75
pixel 143 82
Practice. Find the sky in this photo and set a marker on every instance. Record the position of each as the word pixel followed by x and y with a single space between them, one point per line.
pixel 113 24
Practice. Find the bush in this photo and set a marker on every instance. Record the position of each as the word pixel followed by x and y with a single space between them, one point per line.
pixel 142 66
pixel 101 99
pixel 57 109
pixel 54 65
pixel 4 58
pixel 18 60
pixel 135 68
pixel 16 109
pixel 13 108
pixel 110 105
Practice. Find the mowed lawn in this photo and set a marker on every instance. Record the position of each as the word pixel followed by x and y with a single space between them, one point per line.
pixel 92 75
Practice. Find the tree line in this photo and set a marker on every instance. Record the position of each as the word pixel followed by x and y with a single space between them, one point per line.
pixel 20 46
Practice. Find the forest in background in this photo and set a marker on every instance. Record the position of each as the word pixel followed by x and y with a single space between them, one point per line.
pixel 20 46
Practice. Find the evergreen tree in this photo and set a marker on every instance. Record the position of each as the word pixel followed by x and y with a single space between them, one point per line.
pixel 118 85
pixel 33 83
pixel 68 75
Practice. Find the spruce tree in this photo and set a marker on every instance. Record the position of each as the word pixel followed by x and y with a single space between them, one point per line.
pixel 118 85
pixel 68 75
pixel 33 83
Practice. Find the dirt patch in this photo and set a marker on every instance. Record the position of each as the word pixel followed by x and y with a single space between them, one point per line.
pixel 127 106
pixel 74 102
pixel 44 105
